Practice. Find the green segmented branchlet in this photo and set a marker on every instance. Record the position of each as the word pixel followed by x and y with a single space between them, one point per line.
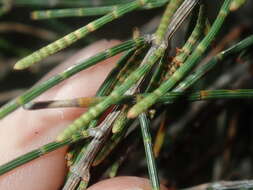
pixel 40 88
pixel 31 156
pixel 41 151
pixel 247 42
pixel 159 36
pixel 167 16
pixel 72 12
pixel 155 52
pixel 185 68
pixel 65 3
pixel 89 11
pixel 236 4
pixel 221 94
pixel 170 97
pixel 147 141
pixel 77 34
pixel 189 45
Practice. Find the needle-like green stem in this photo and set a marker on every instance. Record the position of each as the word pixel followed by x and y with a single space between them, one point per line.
pixel 89 11
pixel 147 141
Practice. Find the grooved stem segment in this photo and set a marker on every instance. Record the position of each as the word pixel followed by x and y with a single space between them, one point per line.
pixel 167 16
pixel 89 11
pixel 147 141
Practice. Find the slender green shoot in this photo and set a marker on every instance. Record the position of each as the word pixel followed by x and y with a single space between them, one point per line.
pixel 166 19
pixel 42 151
pixel 89 11
pixel 177 93
pixel 147 141
pixel 236 4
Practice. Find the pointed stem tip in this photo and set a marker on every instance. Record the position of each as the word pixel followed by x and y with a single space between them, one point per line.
pixel 18 66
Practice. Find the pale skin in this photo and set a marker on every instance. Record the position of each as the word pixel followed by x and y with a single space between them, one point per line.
pixel 23 131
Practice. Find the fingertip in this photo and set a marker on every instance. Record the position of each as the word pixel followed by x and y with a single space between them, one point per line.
pixel 124 183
